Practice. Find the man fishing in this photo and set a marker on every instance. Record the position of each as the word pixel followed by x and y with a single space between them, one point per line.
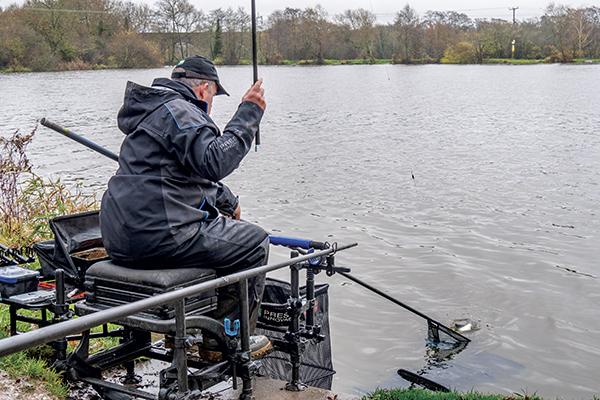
pixel 166 206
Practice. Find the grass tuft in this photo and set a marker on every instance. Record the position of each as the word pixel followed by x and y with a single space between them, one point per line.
pixel 421 394
pixel 21 365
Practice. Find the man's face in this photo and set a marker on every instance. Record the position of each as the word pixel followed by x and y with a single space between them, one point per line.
pixel 206 92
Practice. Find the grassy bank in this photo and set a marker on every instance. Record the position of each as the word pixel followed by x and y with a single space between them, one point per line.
pixel 512 61
pixel 358 61
pixel 418 394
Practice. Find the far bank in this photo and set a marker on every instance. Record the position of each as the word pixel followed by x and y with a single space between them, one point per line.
pixel 82 66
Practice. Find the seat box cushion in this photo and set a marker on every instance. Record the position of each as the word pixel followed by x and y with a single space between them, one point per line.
pixel 162 279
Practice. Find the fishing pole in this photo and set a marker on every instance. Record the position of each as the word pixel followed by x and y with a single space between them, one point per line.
pixel 14 255
pixel 432 323
pixel 4 258
pixel 78 138
pixel 254 62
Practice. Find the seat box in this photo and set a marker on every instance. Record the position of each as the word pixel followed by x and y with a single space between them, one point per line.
pixel 110 285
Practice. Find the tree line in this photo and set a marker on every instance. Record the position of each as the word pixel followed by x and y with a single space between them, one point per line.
pixel 77 34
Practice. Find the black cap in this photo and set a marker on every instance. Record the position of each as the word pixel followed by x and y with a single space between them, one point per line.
pixel 198 67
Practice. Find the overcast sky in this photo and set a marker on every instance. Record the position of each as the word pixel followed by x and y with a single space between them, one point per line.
pixel 385 9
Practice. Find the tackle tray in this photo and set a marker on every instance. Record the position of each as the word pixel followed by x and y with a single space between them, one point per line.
pixel 76 246
pixel 109 285
pixel 16 280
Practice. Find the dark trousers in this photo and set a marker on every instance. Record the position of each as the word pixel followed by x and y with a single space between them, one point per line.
pixel 228 246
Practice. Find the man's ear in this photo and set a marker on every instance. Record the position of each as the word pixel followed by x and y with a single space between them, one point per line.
pixel 201 90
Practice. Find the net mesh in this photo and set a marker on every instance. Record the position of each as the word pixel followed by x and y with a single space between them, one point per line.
pixel 317 366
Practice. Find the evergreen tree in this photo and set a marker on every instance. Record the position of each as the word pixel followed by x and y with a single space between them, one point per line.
pixel 217 47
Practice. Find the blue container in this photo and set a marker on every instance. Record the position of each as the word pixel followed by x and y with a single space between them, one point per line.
pixel 17 280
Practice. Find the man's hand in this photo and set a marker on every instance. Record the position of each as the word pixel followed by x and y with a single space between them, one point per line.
pixel 237 214
pixel 256 95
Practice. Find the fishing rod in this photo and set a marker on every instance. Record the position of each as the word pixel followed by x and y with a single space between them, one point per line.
pixel 11 255
pixel 4 258
pixel 78 138
pixel 433 326
pixel 254 62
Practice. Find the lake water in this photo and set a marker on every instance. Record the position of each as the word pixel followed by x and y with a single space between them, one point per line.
pixel 500 223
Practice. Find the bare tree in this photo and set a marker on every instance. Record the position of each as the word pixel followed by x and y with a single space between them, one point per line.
pixel 178 18
pixel 236 28
pixel 316 29
pixel 360 28
pixel 136 17
pixel 556 21
pixel 594 16
pixel 408 27
pixel 581 19
pixel 51 25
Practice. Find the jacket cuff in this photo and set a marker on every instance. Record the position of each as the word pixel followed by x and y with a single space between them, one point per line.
pixel 254 108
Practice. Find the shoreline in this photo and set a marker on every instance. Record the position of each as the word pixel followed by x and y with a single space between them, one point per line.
pixel 332 62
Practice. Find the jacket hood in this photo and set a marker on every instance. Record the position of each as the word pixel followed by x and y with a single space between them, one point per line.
pixel 140 101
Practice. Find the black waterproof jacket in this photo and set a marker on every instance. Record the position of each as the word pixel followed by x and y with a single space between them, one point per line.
pixel 170 167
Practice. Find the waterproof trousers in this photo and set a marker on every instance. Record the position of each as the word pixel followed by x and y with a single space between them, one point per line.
pixel 228 246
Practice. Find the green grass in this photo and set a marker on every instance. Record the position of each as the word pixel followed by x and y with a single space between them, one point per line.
pixel 419 394
pixel 20 365
pixel 9 70
pixel 515 61
pixel 357 61
pixel 586 61
pixel 30 364
pixel 33 365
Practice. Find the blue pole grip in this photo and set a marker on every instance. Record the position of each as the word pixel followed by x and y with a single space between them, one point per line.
pixel 296 242
pixel 289 242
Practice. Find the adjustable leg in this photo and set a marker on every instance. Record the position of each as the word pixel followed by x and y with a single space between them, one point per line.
pixel 61 311
pixel 130 377
pixel 310 298
pixel 293 333
pixel 245 333
pixel 13 319
pixel 179 358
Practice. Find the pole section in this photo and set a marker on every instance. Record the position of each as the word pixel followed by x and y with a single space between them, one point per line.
pixel 455 335
pixel 78 138
pixel 254 61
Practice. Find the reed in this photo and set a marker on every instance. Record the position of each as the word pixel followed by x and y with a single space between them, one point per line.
pixel 27 200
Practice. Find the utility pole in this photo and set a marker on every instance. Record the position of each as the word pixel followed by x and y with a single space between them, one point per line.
pixel 512 48
pixel 514 10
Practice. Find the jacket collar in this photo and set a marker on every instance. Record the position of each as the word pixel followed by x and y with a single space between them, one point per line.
pixel 183 89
